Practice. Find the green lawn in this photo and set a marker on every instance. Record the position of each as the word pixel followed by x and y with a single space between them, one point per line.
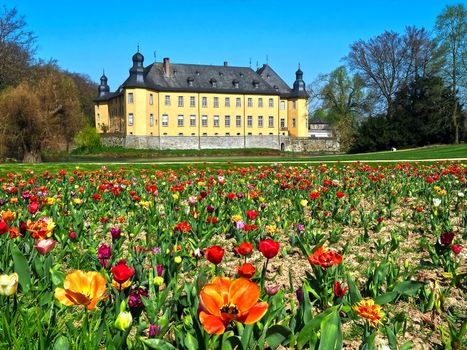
pixel 220 159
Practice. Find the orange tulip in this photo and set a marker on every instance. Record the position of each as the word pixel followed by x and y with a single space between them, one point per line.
pixel 82 288
pixel 225 300
pixel 368 309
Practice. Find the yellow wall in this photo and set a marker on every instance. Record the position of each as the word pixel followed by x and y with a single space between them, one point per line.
pixel 297 117
pixel 199 110
pixel 101 111
pixel 116 111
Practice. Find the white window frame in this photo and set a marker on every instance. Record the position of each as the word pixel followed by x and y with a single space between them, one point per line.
pixel 227 102
pixel 260 121
pixel 180 101
pixel 204 121
pixel 192 101
pixel 249 121
pixel 151 99
pixel 165 120
pixel 151 119
pixel 271 121
pixel 238 121
pixel 260 102
pixel 271 102
pixel 227 121
pixel 131 98
pixel 167 100
pixel 193 120
pixel 238 102
pixel 131 119
pixel 250 102
pixel 204 102
pixel 215 121
pixel 215 102
pixel 180 120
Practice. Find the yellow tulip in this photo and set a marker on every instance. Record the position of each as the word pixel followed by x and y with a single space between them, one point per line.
pixel 8 284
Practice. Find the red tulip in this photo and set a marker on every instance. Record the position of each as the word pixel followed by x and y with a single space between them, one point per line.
pixel 269 248
pixel 122 273
pixel 456 248
pixel 3 227
pixel 338 290
pixel 214 254
pixel 325 258
pixel 246 270
pixel 244 249
pixel 251 214
pixel 33 207
pixel 340 194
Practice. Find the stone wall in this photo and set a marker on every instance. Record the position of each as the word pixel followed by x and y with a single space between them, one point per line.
pixel 278 142
pixel 311 145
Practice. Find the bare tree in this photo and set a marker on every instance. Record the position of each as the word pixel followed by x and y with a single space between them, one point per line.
pixel 388 61
pixel 16 47
pixel 41 114
pixel 451 35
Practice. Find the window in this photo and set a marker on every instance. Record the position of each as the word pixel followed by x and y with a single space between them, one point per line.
pixel 130 119
pixel 165 120
pixel 151 119
pixel 216 102
pixel 204 120
pixel 227 102
pixel 250 102
pixel 238 121
pixel 205 134
pixel 282 123
pixel 130 97
pixel 227 121
pixel 167 100
pixel 293 123
pixel 238 102
pixel 294 104
pixel 216 120
pixel 260 121
pixel 180 134
pixel 271 102
pixel 192 101
pixel 249 121
pixel 151 99
pixel 98 117
pixel 271 121
pixel 180 120
pixel 282 105
pixel 192 120
pixel 180 101
pixel 227 134
pixel 260 102
pixel 204 102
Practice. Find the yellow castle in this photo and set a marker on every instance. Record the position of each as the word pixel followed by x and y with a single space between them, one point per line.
pixel 190 106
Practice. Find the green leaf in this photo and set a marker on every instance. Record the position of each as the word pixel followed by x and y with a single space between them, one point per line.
pixel 278 335
pixel 232 343
pixel 61 343
pixel 190 342
pixel 354 293
pixel 409 288
pixel 391 338
pixel 21 268
pixel 158 344
pixel 331 332
pixel 406 346
pixel 58 277
pixel 386 298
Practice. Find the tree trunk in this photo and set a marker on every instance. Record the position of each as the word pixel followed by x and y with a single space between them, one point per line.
pixel 456 123
pixel 32 157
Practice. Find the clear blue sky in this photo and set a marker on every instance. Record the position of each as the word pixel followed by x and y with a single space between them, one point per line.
pixel 87 36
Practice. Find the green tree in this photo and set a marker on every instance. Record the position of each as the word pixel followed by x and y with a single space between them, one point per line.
pixel 451 36
pixel 344 101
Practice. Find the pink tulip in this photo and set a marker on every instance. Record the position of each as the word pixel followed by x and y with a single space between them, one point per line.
pixel 44 246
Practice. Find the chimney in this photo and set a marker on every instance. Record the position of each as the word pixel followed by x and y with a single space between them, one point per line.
pixel 166 66
pixel 226 64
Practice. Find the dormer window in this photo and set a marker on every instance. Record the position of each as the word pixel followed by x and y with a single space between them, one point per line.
pixel 276 88
pixel 213 82
pixel 268 76
pixel 235 83
pixel 197 73
pixel 221 74
pixel 255 84
pixel 241 75
pixel 174 72
pixel 190 81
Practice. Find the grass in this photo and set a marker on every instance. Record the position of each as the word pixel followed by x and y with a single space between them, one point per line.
pixel 176 159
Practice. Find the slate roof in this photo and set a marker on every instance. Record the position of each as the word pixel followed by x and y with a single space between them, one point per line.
pixel 206 78
pixel 273 79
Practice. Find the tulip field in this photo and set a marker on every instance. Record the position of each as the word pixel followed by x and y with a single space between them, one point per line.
pixel 326 256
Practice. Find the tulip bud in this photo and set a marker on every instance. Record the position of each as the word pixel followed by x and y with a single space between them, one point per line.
pixel 158 281
pixel 124 320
